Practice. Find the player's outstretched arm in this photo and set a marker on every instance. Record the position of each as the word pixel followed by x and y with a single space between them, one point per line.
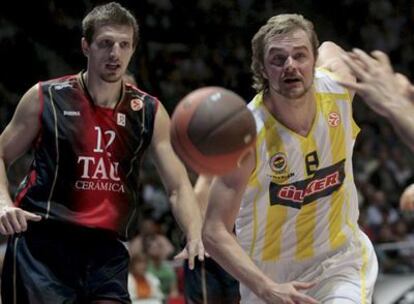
pixel 330 57
pixel 175 179
pixel 385 92
pixel 223 206
pixel 15 140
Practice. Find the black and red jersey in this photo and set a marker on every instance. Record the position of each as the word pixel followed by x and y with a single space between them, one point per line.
pixel 87 158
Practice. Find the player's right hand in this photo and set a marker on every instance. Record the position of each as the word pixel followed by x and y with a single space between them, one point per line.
pixel 14 220
pixel 289 293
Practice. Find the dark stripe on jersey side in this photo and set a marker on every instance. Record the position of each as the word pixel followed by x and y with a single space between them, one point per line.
pixel 29 182
pixel 57 151
pixel 42 104
pixel 131 166
pixel 36 142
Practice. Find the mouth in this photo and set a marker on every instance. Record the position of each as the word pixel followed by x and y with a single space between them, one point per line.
pixel 291 80
pixel 112 66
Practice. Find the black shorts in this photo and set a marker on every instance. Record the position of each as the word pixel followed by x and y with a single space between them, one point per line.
pixel 60 263
pixel 221 287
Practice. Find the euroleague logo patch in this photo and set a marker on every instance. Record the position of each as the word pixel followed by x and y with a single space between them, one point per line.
pixel 278 162
pixel 136 104
pixel 334 119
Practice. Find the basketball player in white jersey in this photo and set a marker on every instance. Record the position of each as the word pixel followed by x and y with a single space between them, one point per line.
pixel 387 93
pixel 293 199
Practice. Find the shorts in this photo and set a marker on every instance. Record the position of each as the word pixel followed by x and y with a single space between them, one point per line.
pixel 221 287
pixel 346 275
pixel 60 263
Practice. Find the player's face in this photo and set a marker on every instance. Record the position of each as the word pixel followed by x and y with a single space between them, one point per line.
pixel 110 52
pixel 139 267
pixel 289 64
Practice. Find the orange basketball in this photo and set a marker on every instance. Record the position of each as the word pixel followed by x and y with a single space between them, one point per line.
pixel 211 130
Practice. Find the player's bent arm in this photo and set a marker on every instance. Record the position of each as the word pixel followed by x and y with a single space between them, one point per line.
pixel 223 206
pixel 174 177
pixel 224 203
pixel 330 58
pixel 18 136
pixel 15 140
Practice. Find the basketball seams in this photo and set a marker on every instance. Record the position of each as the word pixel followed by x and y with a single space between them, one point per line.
pixel 235 126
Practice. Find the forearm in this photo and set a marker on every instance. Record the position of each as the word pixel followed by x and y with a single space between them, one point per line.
pixel 224 248
pixel 219 239
pixel 5 199
pixel 401 115
pixel 201 191
pixel 186 211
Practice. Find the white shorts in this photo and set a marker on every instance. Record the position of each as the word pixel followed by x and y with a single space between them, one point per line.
pixel 345 276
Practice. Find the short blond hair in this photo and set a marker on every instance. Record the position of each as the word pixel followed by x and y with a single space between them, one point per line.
pixel 276 25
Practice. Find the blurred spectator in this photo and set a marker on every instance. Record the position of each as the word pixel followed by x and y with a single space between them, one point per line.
pixel 379 213
pixel 143 286
pixel 151 230
pixel 160 267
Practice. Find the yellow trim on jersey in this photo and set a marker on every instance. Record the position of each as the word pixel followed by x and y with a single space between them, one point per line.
pixel 276 214
pixel 346 96
pixel 338 153
pixel 363 273
pixel 254 182
pixel 364 253
pixel 306 218
pixel 276 218
pixel 305 231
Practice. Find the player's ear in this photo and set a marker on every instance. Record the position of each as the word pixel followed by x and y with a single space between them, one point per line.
pixel 264 74
pixel 85 47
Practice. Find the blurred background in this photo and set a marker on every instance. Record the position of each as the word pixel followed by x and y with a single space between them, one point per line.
pixel 188 44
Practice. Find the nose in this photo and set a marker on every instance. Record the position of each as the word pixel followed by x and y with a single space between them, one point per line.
pixel 290 63
pixel 115 50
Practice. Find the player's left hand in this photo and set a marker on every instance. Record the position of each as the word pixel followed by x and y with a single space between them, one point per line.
pixel 193 248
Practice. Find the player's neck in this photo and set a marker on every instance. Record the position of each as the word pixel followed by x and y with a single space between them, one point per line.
pixel 102 93
pixel 296 114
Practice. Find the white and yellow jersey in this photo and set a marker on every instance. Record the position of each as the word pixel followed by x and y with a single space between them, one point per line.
pixel 301 200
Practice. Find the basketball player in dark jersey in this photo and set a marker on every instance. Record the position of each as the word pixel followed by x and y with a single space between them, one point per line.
pixel 89 132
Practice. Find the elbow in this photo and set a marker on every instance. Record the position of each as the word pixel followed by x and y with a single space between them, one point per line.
pixel 328 45
pixel 329 51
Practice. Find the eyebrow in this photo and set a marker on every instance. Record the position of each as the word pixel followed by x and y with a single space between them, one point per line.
pixel 276 49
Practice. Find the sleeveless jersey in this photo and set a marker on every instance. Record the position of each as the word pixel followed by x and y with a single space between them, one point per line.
pixel 301 200
pixel 87 158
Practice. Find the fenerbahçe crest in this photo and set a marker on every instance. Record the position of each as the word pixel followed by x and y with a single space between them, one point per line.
pixel 278 164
